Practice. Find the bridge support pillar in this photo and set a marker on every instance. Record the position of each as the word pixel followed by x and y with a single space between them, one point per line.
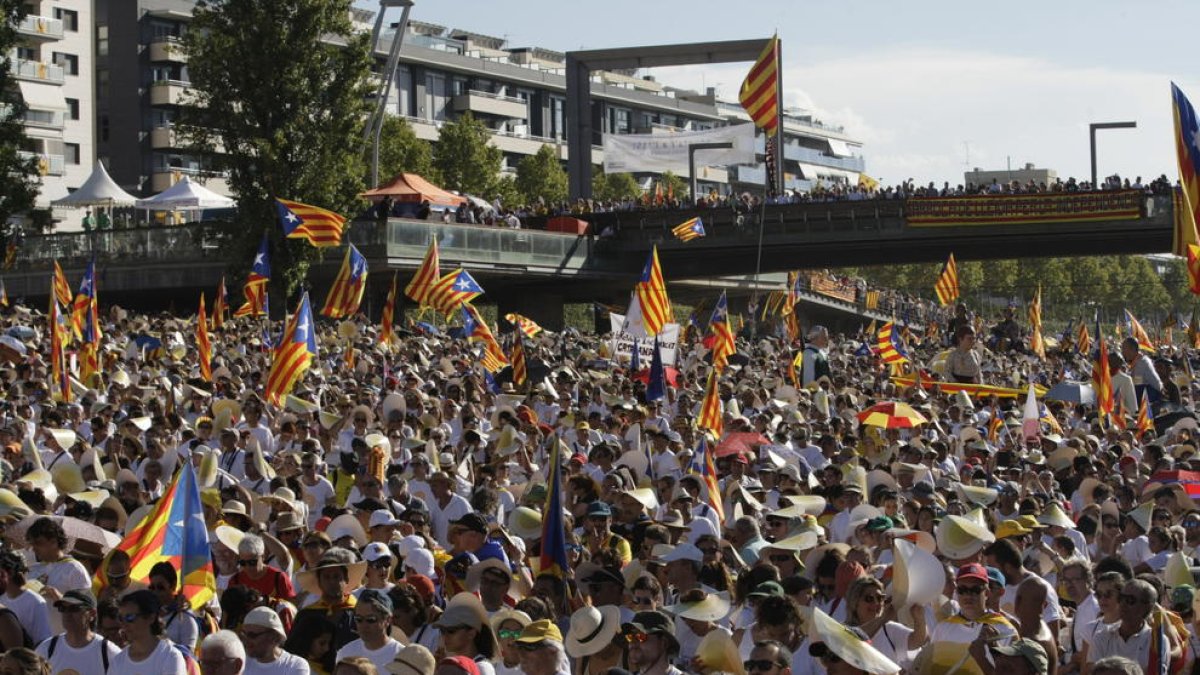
pixel 546 308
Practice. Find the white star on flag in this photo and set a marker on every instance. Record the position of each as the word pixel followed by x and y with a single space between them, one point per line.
pixel 463 285
pixel 258 259
pixel 291 217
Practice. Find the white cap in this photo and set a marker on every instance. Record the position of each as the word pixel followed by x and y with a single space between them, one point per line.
pixel 265 617
pixel 700 527
pixel 382 517
pixel 376 550
pixel 409 544
pixel 684 552
pixel 420 561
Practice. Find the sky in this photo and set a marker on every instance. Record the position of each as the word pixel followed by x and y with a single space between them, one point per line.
pixel 931 88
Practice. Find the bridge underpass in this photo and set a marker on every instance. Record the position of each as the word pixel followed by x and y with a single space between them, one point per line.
pixel 535 272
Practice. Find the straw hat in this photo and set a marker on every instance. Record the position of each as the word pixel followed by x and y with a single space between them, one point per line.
pixel 334 557
pixel 714 607
pixel 921 538
pixel 475 572
pixel 917 576
pixel 1087 487
pixel 1054 516
pixel 68 477
pixel 815 556
pixel 799 542
pixel 981 496
pixel 347 525
pixel 877 477
pixel 1062 458
pixel 813 505
pixel 719 654
pixel 525 523
pixel 592 629
pixel 231 537
pixel 852 649
pixel 959 538
pixel 1142 515
pixel 65 438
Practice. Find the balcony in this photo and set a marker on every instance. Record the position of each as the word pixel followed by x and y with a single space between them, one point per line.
pixel 168 49
pixel 48 165
pixel 41 28
pixel 36 71
pixel 167 92
pixel 811 156
pixel 491 104
pixel 166 138
pixel 44 119
pixel 165 177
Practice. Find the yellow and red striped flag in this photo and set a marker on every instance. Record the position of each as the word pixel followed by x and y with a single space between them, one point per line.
pixel 712 484
pixel 476 329
pixel 710 409
pixel 651 293
pixel 946 286
pixel 173 532
pixel 1036 343
pixel 1118 418
pixel 1139 333
pixel 524 324
pixel 296 351
pixel 347 291
pixel 255 288
pixel 452 291
pixel 203 345
pixel 520 372
pixel 995 424
pixel 387 330
pixel 1102 376
pixel 887 343
pixel 723 344
pixel 319 227
pixel 59 372
pixel 220 306
pixel 427 275
pixel 1083 341
pixel 3 294
pixel 62 289
pixel 692 228
pixel 1145 423
pixel 759 94
pixel 794 366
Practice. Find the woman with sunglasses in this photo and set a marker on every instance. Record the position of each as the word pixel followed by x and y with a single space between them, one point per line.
pixel 869 608
pixel 466 632
pixel 149 651
pixel 508 624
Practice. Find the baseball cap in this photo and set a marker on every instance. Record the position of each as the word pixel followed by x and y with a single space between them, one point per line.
pixel 972 571
pixel 382 517
pixel 376 550
pixel 684 551
pixel 462 662
pixel 420 561
pixel 923 487
pixel 995 576
pixel 413 660
pixel 1030 650
pixel 78 598
pixel 380 599
pixel 265 617
pixel 472 521
pixel 766 589
pixel 540 631
pixel 1182 597
pixel 879 524
pixel 599 509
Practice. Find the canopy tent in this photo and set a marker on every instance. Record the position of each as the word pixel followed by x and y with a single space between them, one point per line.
pixel 98 190
pixel 409 188
pixel 185 195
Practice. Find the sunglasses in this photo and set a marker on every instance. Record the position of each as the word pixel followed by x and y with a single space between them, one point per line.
pixel 970 590
pixel 367 619
pixel 130 618
pixel 781 557
pixel 639 638
pixel 246 563
pixel 509 634
pixel 760 665
pixel 822 652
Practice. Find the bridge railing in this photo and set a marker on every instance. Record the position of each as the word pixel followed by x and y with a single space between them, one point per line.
pixel 501 247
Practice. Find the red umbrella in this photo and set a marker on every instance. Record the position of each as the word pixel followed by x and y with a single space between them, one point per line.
pixel 670 373
pixel 741 442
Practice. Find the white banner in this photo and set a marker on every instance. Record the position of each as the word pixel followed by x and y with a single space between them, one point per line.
pixel 668 343
pixel 668 150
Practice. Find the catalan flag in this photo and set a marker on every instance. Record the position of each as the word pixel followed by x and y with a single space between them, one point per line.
pixel 723 344
pixel 1101 376
pixel 794 366
pixel 710 409
pixel 759 94
pixel 1187 152
pixel 1083 341
pixel 317 226
pixel 203 344
pixel 887 343
pixel 255 288
pixel 387 322
pixel 477 330
pixel 347 291
pixel 220 305
pixel 453 290
pixel 427 275
pixel 1139 333
pixel 692 228
pixel 520 373
pixel 711 479
pixel 946 287
pixel 1118 418
pixel 995 424
pixel 84 299
pixel 59 372
pixel 3 294
pixel 1036 343
pixel 62 289
pixel 1193 331
pixel 1145 420
pixel 791 294
pixel 173 532
pixel 296 351
pixel 651 293
pixel 553 559
pixel 524 324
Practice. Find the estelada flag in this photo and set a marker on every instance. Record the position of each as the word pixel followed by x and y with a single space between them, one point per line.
pixel 174 532
pixel 427 275
pixel 319 227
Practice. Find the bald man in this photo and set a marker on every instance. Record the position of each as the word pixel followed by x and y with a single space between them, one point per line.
pixel 1028 607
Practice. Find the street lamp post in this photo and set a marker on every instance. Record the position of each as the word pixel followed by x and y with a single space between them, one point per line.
pixel 1092 135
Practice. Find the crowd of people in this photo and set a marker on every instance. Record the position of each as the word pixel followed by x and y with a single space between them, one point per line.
pixel 394 515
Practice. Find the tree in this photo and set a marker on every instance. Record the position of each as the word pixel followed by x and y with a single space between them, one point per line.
pixel 400 151
pixel 504 190
pixel 18 182
pixel 282 86
pixel 614 187
pixel 465 157
pixel 674 185
pixel 540 177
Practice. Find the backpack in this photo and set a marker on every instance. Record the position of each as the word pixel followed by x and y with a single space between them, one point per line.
pixel 103 650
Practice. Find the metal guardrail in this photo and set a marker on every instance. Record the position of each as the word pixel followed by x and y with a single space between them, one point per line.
pixel 36 70
pixel 43 26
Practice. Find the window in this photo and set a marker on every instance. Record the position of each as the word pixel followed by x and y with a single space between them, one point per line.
pixel 71 153
pixel 101 40
pixel 103 128
pixel 435 97
pixel 558 128
pixel 618 120
pixel 72 108
pixel 27 53
pixel 69 17
pixel 68 62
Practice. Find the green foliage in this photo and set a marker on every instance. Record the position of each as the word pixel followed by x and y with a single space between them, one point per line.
pixel 614 186
pixel 400 151
pixel 540 177
pixel 465 158
pixel 675 185
pixel 504 189
pixel 282 86
pixel 19 183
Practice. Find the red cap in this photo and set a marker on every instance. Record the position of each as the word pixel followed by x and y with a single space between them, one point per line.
pixel 322 523
pixel 579 457
pixel 741 458
pixel 464 662
pixel 422 584
pixel 972 571
pixel 1126 461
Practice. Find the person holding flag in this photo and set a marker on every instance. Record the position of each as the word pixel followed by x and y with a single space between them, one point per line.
pixel 1141 369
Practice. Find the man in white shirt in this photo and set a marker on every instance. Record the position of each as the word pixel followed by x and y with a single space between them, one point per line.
pixel 57 571
pixel 444 507
pixel 317 488
pixel 1130 637
pixel 29 608
pixel 262 634
pixel 1077 578
pixel 373 620
pixel 78 649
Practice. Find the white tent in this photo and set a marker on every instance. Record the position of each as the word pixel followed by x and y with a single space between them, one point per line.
pixel 98 190
pixel 185 195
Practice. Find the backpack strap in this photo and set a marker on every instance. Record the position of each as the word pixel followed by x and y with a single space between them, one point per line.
pixel 50 649
pixel 103 652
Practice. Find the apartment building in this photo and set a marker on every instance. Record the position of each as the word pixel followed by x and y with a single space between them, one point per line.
pixel 53 67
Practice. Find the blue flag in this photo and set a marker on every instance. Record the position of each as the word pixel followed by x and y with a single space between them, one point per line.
pixel 656 386
pixel 635 361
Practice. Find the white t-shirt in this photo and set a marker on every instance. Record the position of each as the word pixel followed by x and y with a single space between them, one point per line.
pixel 440 518
pixel 33 613
pixel 164 660
pixel 67 659
pixel 316 497
pixel 285 664
pixel 63 575
pixel 380 657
